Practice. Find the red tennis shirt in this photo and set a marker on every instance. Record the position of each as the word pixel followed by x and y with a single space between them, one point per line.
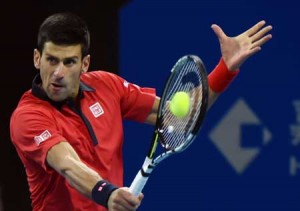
pixel 94 130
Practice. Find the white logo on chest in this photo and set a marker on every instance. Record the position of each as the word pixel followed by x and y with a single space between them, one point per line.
pixel 96 110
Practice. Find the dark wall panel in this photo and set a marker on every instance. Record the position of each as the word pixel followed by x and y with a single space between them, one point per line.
pixel 19 22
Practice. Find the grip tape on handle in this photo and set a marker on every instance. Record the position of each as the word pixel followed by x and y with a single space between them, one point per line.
pixel 141 177
pixel 138 183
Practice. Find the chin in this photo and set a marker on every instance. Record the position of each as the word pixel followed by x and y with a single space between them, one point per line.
pixel 57 98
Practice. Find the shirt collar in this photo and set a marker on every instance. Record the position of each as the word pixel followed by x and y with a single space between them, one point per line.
pixel 40 93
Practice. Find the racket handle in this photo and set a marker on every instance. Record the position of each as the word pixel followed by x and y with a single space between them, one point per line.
pixel 141 177
pixel 138 183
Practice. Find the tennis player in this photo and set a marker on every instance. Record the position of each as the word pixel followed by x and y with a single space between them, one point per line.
pixel 67 129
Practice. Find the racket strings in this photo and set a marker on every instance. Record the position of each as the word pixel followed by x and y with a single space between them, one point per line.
pixel 175 130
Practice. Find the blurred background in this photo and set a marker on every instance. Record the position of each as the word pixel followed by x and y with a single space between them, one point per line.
pixel 247 155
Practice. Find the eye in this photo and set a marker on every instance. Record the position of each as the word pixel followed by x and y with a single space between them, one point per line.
pixel 52 60
pixel 69 62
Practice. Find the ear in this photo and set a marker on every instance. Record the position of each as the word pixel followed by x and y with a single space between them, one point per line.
pixel 36 58
pixel 86 63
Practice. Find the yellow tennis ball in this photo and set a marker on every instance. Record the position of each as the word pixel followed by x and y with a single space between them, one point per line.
pixel 180 104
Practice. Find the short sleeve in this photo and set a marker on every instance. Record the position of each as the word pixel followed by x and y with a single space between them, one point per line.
pixel 135 101
pixel 34 132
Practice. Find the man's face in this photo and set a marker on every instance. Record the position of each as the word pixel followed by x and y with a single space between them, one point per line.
pixel 60 69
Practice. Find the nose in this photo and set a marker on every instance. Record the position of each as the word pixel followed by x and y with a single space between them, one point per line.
pixel 59 70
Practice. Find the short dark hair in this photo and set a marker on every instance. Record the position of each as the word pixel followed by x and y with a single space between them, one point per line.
pixel 64 29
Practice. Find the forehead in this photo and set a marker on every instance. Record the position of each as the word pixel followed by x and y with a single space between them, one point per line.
pixel 62 51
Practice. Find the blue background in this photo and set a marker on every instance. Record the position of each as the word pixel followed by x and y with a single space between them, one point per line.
pixel 153 35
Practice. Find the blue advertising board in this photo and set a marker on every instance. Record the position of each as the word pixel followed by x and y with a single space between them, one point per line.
pixel 247 155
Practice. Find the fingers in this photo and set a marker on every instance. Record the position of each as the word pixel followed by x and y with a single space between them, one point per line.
pixel 123 200
pixel 255 28
pixel 261 33
pixel 131 199
pixel 253 51
pixel 259 40
pixel 218 31
pixel 260 37
pixel 258 34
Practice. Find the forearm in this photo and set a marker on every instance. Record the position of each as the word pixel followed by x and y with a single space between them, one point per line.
pixel 81 177
pixel 63 158
pixel 212 97
pixel 218 80
pixel 151 119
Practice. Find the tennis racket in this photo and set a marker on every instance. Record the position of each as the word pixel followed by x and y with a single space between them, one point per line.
pixel 173 133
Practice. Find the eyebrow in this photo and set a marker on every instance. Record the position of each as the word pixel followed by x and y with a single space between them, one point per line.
pixel 71 57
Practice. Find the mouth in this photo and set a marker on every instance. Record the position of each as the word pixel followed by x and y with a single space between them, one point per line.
pixel 56 87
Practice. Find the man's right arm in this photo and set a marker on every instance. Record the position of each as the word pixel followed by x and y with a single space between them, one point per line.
pixel 64 159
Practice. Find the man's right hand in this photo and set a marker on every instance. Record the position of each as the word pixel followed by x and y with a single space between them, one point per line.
pixel 122 200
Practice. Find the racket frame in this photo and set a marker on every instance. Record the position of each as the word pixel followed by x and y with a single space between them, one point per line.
pixel 150 162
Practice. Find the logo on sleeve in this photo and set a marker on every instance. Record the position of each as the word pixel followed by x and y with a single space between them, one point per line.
pixel 43 137
pixel 96 110
pixel 126 84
